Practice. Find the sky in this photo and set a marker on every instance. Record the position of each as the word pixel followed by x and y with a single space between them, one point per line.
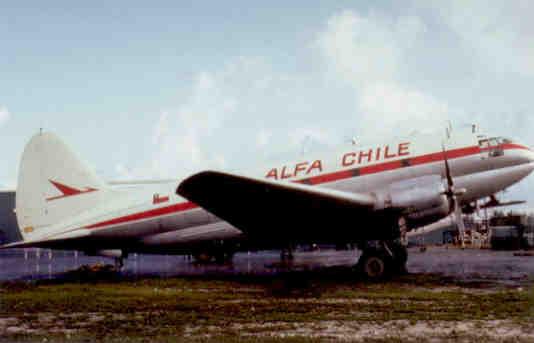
pixel 161 89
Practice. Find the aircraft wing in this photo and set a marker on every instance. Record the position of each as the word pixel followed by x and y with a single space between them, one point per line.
pixel 270 210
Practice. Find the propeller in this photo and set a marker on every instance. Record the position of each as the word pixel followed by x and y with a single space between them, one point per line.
pixel 452 193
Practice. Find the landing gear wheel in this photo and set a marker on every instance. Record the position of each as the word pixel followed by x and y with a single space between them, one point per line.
pixel 381 259
pixel 224 257
pixel 286 255
pixel 375 266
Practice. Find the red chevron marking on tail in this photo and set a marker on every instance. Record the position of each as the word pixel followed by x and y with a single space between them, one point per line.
pixel 68 191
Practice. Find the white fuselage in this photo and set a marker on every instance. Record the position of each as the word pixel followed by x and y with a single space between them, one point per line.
pixel 165 219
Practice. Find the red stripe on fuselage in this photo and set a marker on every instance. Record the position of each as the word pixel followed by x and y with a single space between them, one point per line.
pixel 440 156
pixel 146 214
pixel 317 180
pixel 380 167
pixel 507 146
pixel 326 178
pixel 391 165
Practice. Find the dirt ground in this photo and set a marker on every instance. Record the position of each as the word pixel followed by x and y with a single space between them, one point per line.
pixel 329 304
pixel 449 295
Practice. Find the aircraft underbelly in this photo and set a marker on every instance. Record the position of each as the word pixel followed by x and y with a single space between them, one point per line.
pixel 130 230
pixel 212 231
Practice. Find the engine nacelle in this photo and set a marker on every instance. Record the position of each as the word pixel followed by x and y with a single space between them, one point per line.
pixel 421 200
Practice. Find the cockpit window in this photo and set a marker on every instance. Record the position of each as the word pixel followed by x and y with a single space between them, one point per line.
pixel 493 146
pixel 483 143
pixel 503 140
pixel 493 142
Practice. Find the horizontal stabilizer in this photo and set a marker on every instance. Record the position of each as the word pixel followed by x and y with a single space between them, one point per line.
pixel 502 204
pixel 50 242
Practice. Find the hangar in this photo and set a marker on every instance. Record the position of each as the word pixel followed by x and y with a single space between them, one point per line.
pixel 9 231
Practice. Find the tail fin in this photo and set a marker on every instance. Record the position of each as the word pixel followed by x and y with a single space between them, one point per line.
pixel 53 185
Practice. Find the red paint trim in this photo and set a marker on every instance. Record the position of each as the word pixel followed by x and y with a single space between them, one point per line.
pixel 317 180
pixel 146 214
pixel 68 191
pixel 380 167
pixel 157 199
pixel 507 146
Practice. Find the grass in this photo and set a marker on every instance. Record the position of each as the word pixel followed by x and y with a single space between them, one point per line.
pixel 246 308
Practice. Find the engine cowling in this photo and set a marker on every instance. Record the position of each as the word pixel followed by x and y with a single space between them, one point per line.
pixel 421 200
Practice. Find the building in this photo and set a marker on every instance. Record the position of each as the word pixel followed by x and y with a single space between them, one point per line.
pixel 9 230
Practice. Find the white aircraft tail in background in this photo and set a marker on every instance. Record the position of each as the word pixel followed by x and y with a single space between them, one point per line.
pixel 54 185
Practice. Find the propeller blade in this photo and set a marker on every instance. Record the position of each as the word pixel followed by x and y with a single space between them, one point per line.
pixel 448 175
pixel 453 196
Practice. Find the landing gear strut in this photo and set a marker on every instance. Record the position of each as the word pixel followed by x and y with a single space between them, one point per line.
pixel 224 256
pixel 119 262
pixel 380 259
pixel 286 255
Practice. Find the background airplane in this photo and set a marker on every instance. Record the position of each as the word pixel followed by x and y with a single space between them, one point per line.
pixel 366 196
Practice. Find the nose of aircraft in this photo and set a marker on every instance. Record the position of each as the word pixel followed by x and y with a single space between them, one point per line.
pixel 530 155
pixel 522 155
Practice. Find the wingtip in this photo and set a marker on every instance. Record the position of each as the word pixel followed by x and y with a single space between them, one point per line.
pixel 184 187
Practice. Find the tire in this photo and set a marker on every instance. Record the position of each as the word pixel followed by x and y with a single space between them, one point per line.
pixel 374 266
pixel 224 257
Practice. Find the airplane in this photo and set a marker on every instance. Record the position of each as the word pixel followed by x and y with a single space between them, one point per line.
pixel 367 196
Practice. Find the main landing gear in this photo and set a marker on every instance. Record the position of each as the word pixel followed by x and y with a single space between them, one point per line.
pixel 119 262
pixel 381 259
pixel 286 255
